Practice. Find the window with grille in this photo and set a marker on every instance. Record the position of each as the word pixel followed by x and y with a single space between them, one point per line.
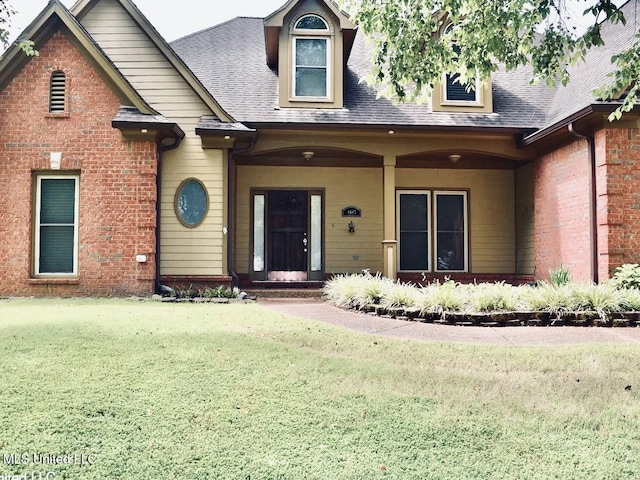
pixel 58 92
pixel 311 58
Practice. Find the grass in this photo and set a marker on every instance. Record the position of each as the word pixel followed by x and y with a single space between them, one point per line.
pixel 187 391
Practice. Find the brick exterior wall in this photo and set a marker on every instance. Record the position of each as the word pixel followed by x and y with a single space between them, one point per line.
pixel 618 161
pixel 562 214
pixel 117 213
pixel 562 205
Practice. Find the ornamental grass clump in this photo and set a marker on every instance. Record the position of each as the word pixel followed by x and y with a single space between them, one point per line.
pixel 545 297
pixel 400 295
pixel 444 297
pixel 373 290
pixel 493 297
pixel 345 290
pixel 604 299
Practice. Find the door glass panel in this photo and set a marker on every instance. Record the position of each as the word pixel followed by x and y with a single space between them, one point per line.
pixel 316 233
pixel 258 233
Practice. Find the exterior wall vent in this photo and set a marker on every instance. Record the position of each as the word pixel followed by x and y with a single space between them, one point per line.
pixel 58 92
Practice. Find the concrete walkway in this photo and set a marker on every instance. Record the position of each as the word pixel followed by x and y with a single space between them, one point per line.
pixel 314 309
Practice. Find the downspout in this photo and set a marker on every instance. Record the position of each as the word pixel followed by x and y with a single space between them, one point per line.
pixel 159 153
pixel 592 201
pixel 230 192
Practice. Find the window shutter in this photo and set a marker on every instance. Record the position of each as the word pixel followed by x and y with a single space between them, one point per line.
pixel 58 92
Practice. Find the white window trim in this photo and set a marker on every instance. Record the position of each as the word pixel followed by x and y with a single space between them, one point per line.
pixel 432 239
pixel 294 65
pixel 39 179
pixel 465 205
pixel 429 195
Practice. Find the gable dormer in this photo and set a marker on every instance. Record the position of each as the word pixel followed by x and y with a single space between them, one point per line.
pixel 453 96
pixel 309 42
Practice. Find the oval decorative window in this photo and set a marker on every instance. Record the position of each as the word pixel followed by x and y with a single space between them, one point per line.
pixel 191 203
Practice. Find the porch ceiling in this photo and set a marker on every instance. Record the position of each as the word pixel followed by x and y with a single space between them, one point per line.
pixel 322 157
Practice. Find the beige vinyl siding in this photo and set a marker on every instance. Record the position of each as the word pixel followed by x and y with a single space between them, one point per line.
pixel 200 250
pixel 184 251
pixel 491 211
pixel 525 220
pixel 343 187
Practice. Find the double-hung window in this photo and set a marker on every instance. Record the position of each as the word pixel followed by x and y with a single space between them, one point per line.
pixel 311 58
pixel 56 225
pixel 432 231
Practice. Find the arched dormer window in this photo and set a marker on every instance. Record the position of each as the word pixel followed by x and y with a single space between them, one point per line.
pixel 58 92
pixel 454 91
pixel 311 58
pixel 311 22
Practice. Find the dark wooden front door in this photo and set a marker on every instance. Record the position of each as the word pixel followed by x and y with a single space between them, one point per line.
pixel 288 241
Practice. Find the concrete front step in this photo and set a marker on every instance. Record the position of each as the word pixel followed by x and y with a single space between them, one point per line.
pixel 281 293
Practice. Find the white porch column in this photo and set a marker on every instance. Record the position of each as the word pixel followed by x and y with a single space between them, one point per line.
pixel 390 243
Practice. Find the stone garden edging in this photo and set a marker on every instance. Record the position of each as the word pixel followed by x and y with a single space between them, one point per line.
pixel 507 319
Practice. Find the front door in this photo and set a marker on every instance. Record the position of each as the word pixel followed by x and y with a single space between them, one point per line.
pixel 288 241
pixel 287 235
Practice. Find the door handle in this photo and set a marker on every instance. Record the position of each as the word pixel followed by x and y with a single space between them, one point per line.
pixel 305 241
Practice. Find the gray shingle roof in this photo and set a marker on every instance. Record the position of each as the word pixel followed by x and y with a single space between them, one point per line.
pixel 592 73
pixel 229 59
pixel 131 117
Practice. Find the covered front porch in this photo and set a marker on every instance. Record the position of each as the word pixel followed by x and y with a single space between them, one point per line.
pixel 414 206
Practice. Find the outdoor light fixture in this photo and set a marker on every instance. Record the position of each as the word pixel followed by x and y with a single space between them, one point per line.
pixel 352 227
pixel 308 155
pixel 454 158
pixel 144 130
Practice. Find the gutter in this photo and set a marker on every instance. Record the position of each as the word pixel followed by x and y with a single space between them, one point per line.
pixel 160 152
pixel 556 127
pixel 593 230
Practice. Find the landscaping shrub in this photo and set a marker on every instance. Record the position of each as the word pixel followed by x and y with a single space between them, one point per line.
pixel 629 299
pixel 627 276
pixel 220 292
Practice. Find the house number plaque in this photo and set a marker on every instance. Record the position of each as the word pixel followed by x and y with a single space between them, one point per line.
pixel 351 212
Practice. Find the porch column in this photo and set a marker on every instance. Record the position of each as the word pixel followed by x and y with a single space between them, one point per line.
pixel 390 243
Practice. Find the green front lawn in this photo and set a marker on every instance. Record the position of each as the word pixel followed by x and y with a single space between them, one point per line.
pixel 187 391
